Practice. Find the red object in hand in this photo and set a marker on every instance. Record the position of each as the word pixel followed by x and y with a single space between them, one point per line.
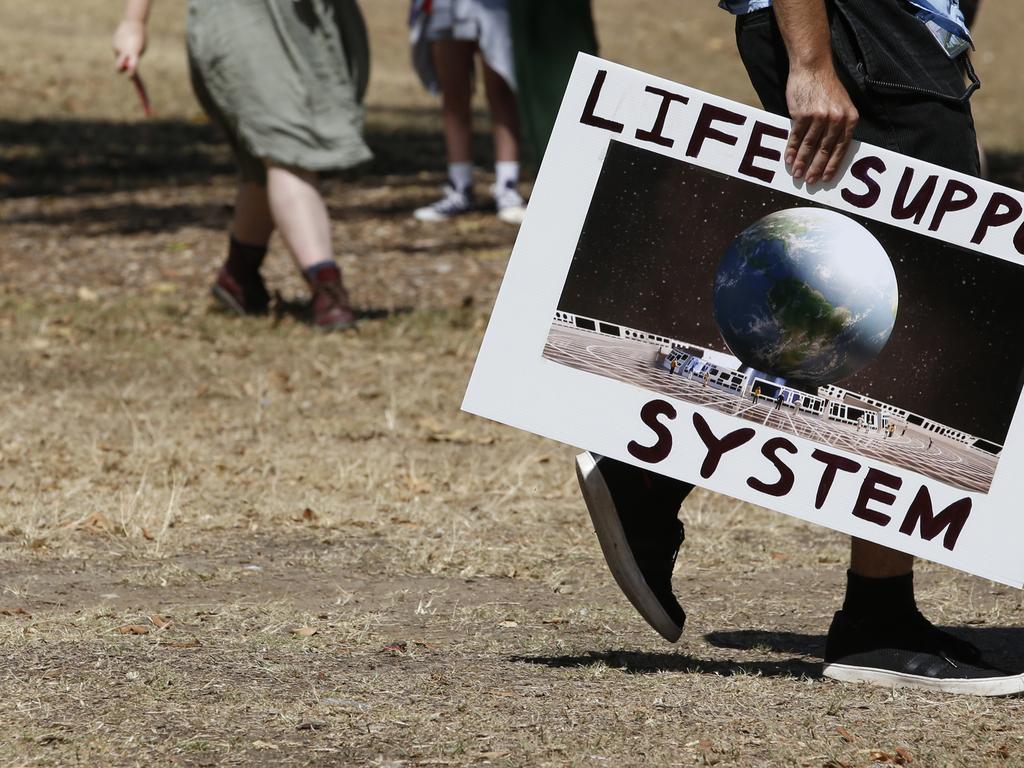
pixel 140 89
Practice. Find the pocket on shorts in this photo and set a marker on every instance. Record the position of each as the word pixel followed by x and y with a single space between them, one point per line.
pixel 885 47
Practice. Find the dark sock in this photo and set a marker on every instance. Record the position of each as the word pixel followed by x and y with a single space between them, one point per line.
pixel 245 260
pixel 868 598
pixel 312 272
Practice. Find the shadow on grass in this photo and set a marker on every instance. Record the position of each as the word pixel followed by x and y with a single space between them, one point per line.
pixel 1001 645
pixel 74 157
pixel 301 310
pixel 71 158
pixel 50 158
pixel 773 642
pixel 635 662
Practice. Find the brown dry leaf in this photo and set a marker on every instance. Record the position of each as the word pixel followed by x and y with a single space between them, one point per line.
pixel 779 556
pixel 159 621
pixel 147 535
pixel 844 734
pixel 133 629
pixel 308 516
pixel 97 522
pixel 418 486
pixel 460 437
pixel 395 649
pixel 706 749
pixel 304 631
pixel 428 424
pixel 555 620
pixel 190 643
pixel 281 381
pixel 14 612
pixel 1002 752
pixel 903 756
pixel 878 756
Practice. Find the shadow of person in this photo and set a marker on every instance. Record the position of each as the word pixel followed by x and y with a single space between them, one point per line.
pixel 1002 646
pixel 768 641
pixel 300 310
pixel 640 663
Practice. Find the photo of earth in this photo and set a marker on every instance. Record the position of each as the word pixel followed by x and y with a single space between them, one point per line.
pixel 778 310
pixel 806 294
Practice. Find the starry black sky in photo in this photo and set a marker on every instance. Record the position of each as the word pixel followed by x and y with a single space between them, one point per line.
pixel 657 228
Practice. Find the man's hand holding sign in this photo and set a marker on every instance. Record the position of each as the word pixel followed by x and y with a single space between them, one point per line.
pixel 823 116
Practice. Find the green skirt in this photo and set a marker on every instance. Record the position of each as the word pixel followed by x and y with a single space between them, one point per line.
pixel 547 35
pixel 284 78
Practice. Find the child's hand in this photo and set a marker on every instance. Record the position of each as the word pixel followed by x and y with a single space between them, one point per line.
pixel 129 45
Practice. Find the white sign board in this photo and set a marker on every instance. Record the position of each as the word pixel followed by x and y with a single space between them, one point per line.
pixel 849 353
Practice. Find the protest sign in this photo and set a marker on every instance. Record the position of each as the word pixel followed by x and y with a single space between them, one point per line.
pixel 848 353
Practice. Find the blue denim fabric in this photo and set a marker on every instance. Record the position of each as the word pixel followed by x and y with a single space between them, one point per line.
pixel 945 13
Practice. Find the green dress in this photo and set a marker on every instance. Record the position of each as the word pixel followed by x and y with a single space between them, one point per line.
pixel 284 78
pixel 547 35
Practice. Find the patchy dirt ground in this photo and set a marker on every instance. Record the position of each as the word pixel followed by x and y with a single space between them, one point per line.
pixel 229 542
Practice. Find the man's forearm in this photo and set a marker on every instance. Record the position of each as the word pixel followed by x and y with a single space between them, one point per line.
pixel 804 28
pixel 823 115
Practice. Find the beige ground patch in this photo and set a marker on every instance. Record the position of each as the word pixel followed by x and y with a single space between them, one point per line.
pixel 230 542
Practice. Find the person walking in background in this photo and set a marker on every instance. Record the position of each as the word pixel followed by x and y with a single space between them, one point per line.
pixel 285 80
pixel 446 37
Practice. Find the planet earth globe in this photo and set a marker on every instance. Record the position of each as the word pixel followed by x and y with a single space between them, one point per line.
pixel 806 294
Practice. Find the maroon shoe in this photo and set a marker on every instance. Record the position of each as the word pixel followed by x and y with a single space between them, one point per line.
pixel 331 308
pixel 242 295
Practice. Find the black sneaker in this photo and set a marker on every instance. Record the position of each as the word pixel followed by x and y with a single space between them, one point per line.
pixel 635 515
pixel 911 653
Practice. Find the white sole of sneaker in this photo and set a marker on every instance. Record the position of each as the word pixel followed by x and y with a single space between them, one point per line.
pixel 616 549
pixel 512 215
pixel 987 686
pixel 430 216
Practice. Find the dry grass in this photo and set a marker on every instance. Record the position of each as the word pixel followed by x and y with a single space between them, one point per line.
pixel 235 542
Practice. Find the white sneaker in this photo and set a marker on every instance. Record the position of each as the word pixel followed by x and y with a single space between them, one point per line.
pixel 510 204
pixel 454 203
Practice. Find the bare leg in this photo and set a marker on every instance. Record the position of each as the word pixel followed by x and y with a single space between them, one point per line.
pixel 252 223
pixel 300 214
pixel 504 116
pixel 878 562
pixel 453 60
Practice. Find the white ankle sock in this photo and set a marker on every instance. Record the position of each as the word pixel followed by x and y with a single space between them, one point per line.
pixel 507 173
pixel 461 175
